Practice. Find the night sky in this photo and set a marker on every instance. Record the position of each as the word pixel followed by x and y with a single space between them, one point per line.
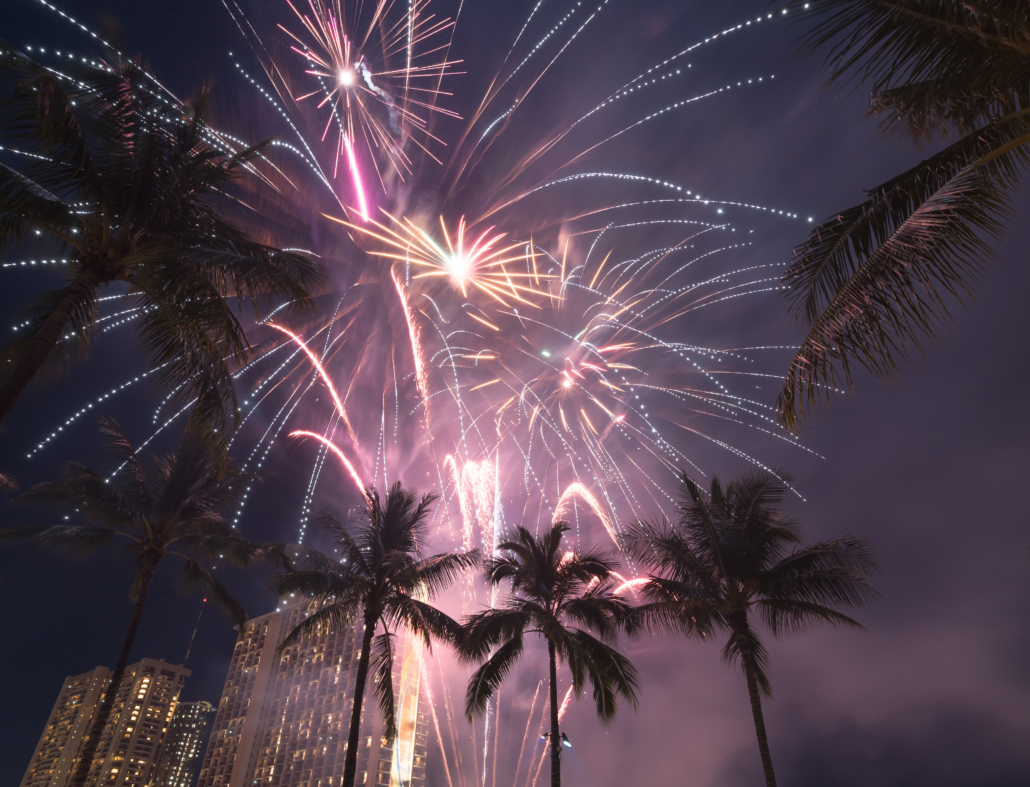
pixel 931 469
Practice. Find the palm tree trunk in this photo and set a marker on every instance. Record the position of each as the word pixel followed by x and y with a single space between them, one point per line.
pixel 555 735
pixel 30 359
pixel 756 710
pixel 96 729
pixel 350 763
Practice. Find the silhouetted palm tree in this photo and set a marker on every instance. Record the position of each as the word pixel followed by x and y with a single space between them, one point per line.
pixel 566 597
pixel 873 281
pixel 168 507
pixel 381 580
pixel 133 188
pixel 731 562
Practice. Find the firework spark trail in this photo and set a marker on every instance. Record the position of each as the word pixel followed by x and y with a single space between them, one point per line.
pixel 463 504
pixel 627 176
pixel 497 738
pixel 540 765
pixel 576 489
pixel 355 173
pixel 642 80
pixel 529 721
pixel 475 485
pixel 87 408
pixel 325 378
pixel 449 712
pixel 492 704
pixel 564 704
pixel 530 777
pixel 523 94
pixel 436 721
pixel 414 336
pixel 281 419
pixel 630 584
pixel 342 456
pixel 561 712
pixel 316 474
pixel 479 264
pixel 340 58
pixel 617 398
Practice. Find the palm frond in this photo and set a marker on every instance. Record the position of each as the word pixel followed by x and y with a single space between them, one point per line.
pixel 611 675
pixel 435 574
pixel 828 572
pixel 970 60
pixel 191 469
pixel 745 647
pixel 193 575
pixel 287 555
pixel 600 611
pixel 874 283
pixel 382 683
pixel 99 502
pixel 423 620
pixel 328 618
pixel 663 617
pixel 76 305
pixel 25 205
pixel 485 630
pixel 321 585
pixel 486 680
pixel 590 563
pixel 69 540
pixel 233 548
pixel 159 215
pixel 132 478
pixel 502 567
pixel 789 616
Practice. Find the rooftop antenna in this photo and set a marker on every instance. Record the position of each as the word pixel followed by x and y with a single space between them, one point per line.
pixel 188 649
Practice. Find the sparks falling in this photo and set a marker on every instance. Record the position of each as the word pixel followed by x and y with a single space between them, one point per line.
pixel 520 319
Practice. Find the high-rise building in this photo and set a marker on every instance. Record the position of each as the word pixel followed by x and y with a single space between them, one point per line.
pixel 283 721
pixel 58 746
pixel 177 763
pixel 132 737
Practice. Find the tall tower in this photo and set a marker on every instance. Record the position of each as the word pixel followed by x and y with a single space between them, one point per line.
pixel 58 746
pixel 177 762
pixel 132 737
pixel 284 721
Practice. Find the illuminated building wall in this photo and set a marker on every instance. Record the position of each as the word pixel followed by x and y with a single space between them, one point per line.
pixel 52 760
pixel 177 763
pixel 283 722
pixel 132 737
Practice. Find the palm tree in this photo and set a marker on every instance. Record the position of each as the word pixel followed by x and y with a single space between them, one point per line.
pixel 381 579
pixel 727 566
pixel 873 281
pixel 564 597
pixel 133 188
pixel 169 507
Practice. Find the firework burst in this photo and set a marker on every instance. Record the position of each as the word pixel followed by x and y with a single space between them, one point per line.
pixel 479 263
pixel 564 353
pixel 377 75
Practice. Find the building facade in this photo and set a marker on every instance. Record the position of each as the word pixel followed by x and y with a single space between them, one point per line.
pixel 283 721
pixel 131 739
pixel 177 764
pixel 58 746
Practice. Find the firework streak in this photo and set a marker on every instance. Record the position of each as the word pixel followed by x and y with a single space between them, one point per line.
pixel 519 319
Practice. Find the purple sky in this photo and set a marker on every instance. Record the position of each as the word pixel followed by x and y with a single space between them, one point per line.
pixel 929 469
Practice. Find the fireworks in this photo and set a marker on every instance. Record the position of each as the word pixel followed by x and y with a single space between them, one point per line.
pixel 370 70
pixel 524 324
pixel 478 264
pixel 552 348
